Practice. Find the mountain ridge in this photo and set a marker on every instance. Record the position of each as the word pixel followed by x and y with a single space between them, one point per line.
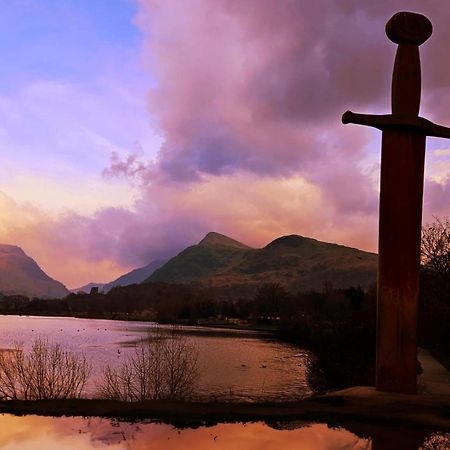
pixel 20 274
pixel 296 262
pixel 214 238
pixel 134 276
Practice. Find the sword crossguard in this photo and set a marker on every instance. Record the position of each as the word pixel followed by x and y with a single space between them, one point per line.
pixel 409 31
pixel 417 125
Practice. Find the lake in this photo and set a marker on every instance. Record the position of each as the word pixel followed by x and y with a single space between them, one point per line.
pixel 235 364
pixel 31 432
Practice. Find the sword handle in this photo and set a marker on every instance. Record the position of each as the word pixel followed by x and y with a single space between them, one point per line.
pixel 406 81
pixel 408 30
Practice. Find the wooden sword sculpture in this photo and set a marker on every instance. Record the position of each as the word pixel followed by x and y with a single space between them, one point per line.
pixel 401 196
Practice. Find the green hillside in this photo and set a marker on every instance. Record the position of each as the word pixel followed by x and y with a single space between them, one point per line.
pixel 296 262
pixel 214 254
pixel 300 263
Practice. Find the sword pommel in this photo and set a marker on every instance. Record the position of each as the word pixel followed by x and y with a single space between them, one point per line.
pixel 409 28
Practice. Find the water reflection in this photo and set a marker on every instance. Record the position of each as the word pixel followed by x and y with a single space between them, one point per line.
pixel 31 432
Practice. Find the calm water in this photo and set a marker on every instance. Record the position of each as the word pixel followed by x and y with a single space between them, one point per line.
pixel 235 365
pixel 49 433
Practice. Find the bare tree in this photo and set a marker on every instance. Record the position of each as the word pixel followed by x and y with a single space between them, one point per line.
pixel 47 371
pixel 435 251
pixel 435 287
pixel 164 366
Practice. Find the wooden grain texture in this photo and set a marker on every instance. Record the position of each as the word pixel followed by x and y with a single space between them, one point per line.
pixel 402 167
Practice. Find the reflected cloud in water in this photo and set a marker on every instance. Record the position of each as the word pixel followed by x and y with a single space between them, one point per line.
pixel 33 432
pixel 36 432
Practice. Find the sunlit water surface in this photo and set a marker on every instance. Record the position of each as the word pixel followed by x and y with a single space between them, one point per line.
pixel 234 365
pixel 49 433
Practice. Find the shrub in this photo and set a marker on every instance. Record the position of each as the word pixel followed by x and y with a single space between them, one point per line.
pixel 44 372
pixel 343 355
pixel 164 366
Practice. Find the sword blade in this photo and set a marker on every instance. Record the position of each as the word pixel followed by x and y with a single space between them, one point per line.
pixel 401 194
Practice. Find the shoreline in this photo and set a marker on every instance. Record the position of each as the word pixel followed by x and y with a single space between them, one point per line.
pixel 358 404
pixel 127 318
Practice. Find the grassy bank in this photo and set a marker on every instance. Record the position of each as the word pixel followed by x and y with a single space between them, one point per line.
pixel 363 405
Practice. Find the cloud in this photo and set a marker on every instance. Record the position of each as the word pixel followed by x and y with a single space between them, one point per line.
pixel 264 84
pixel 437 198
pixel 260 95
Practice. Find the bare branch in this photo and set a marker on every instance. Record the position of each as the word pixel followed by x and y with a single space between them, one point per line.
pixel 164 366
pixel 45 372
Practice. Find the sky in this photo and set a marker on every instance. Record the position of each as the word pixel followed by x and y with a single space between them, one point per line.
pixel 131 128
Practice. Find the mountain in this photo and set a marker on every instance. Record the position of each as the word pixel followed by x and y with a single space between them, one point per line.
pixel 214 254
pixel 134 276
pixel 20 274
pixel 296 262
